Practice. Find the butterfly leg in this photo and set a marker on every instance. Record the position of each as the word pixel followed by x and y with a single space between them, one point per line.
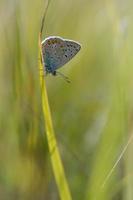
pixel 63 76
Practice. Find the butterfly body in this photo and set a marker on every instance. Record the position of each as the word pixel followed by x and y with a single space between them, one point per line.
pixel 57 52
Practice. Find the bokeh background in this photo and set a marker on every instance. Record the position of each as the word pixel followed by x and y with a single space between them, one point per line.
pixel 92 116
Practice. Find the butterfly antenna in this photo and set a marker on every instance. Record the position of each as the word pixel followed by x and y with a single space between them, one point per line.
pixel 64 77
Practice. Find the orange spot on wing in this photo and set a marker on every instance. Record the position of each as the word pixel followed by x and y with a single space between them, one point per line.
pixel 49 42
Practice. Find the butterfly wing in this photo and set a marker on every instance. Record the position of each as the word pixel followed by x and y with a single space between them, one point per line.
pixel 58 51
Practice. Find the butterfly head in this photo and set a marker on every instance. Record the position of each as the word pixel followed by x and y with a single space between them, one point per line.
pixel 54 73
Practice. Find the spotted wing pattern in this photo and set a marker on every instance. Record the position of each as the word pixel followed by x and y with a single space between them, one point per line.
pixel 58 51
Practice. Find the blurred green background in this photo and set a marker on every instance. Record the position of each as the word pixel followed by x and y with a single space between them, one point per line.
pixel 92 116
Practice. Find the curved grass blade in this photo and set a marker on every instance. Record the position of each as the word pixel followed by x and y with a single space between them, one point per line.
pixel 57 165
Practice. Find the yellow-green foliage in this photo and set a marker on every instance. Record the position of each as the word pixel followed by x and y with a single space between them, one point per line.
pixel 57 165
pixel 92 116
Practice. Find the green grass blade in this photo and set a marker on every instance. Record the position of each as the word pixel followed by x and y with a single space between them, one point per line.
pixel 57 165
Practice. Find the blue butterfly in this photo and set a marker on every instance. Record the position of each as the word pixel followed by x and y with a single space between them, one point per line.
pixel 57 52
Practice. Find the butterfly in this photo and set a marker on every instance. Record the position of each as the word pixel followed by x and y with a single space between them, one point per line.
pixel 57 52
